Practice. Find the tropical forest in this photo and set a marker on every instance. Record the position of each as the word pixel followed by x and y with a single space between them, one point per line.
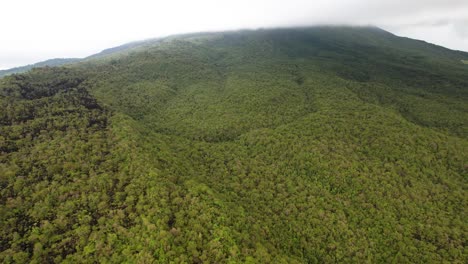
pixel 324 144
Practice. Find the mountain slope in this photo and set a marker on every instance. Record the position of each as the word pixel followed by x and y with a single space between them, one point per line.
pixel 64 61
pixel 306 145
pixel 50 63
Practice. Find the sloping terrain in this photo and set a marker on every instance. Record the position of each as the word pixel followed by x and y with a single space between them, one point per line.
pixel 307 145
pixel 50 63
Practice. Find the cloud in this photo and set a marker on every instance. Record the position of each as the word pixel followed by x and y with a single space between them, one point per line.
pixel 37 30
pixel 461 27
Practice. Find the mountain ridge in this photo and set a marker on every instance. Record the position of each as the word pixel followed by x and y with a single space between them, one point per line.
pixel 49 63
pixel 154 41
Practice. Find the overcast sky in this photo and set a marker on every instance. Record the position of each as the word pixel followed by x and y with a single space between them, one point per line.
pixel 36 30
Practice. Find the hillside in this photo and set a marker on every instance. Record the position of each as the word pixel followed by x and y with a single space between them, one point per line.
pixel 65 61
pixel 50 63
pixel 300 145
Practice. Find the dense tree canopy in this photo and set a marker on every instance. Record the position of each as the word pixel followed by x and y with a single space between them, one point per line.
pixel 314 145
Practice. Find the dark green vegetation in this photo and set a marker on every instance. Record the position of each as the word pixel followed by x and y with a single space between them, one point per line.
pixel 49 63
pixel 314 145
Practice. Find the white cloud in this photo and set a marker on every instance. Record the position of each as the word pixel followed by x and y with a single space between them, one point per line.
pixel 37 30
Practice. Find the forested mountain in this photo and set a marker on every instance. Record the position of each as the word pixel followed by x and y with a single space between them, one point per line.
pixel 300 145
pixel 50 63
pixel 65 61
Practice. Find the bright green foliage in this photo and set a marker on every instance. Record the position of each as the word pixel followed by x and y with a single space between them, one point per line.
pixel 314 145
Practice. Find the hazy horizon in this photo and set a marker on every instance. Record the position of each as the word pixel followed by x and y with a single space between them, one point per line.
pixel 75 29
